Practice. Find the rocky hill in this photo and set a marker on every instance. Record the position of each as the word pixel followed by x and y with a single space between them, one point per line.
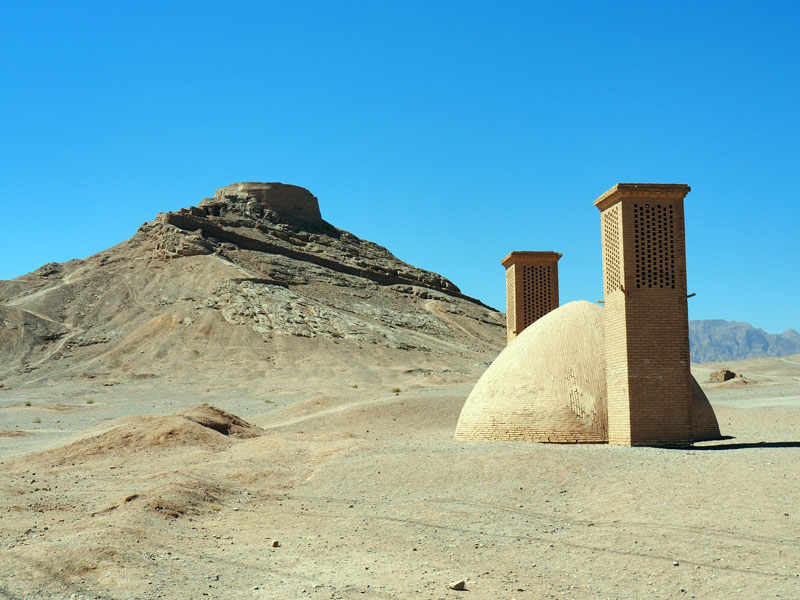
pixel 248 281
pixel 716 340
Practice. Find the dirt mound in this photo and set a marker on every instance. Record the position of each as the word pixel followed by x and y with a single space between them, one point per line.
pixel 172 500
pixel 204 427
pixel 221 421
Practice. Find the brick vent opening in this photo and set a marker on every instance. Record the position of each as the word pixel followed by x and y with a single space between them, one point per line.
pixel 611 268
pixel 654 241
pixel 536 289
pixel 511 300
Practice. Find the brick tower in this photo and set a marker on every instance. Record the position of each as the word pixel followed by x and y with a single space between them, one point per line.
pixel 531 288
pixel 645 315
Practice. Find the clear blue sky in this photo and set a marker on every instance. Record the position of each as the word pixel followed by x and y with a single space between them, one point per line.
pixel 450 132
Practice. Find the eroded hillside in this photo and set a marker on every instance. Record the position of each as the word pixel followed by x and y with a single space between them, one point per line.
pixel 249 281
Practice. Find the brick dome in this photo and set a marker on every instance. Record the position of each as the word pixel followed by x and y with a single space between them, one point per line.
pixel 549 385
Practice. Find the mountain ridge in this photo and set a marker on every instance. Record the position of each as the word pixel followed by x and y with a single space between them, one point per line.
pixel 716 340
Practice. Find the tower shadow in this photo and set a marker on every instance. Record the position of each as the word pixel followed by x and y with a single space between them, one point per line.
pixel 748 445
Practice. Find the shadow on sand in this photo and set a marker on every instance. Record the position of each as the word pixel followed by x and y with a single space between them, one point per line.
pixel 744 446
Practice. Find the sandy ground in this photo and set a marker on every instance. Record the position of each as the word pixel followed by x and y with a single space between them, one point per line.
pixel 368 496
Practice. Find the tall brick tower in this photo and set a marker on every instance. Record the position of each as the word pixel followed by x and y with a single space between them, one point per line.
pixel 645 315
pixel 531 288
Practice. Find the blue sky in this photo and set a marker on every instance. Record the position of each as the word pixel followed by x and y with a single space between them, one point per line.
pixel 449 132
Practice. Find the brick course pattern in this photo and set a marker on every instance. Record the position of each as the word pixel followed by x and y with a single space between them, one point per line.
pixel 531 288
pixel 646 315
pixel 548 385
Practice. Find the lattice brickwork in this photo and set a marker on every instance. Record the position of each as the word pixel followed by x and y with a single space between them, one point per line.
pixel 611 250
pixel 511 303
pixel 654 241
pixel 537 292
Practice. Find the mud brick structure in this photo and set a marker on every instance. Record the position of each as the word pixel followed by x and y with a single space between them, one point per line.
pixel 645 315
pixel 585 374
pixel 548 386
pixel 531 288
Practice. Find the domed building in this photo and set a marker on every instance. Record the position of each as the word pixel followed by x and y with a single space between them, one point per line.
pixel 549 385
pixel 618 374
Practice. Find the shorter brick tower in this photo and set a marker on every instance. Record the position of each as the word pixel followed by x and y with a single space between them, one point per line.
pixel 645 315
pixel 531 288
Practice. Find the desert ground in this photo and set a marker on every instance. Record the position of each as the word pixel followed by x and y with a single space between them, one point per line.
pixel 239 402
pixel 354 489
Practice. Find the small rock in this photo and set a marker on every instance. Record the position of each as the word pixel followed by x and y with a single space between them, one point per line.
pixel 275 543
pixel 721 375
pixel 457 585
pixel 675 563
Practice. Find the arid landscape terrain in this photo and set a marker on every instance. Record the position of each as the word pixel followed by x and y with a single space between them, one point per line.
pixel 244 403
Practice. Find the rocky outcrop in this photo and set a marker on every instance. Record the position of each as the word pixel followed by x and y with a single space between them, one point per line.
pixel 721 375
pixel 255 198
pixel 274 218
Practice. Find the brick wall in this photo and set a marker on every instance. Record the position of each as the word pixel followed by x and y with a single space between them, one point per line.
pixel 645 315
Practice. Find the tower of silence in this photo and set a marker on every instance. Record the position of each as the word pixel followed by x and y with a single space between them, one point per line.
pixel 620 373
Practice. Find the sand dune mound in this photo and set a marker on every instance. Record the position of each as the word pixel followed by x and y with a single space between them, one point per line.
pixel 204 427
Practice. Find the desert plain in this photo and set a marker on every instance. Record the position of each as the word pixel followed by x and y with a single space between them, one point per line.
pixel 243 406
pixel 368 496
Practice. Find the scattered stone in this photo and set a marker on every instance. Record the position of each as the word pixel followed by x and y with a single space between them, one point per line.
pixel 721 375
pixel 675 563
pixel 48 269
pixel 457 585
pixel 275 543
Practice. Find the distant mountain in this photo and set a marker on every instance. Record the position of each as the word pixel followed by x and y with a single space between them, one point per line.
pixel 715 340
